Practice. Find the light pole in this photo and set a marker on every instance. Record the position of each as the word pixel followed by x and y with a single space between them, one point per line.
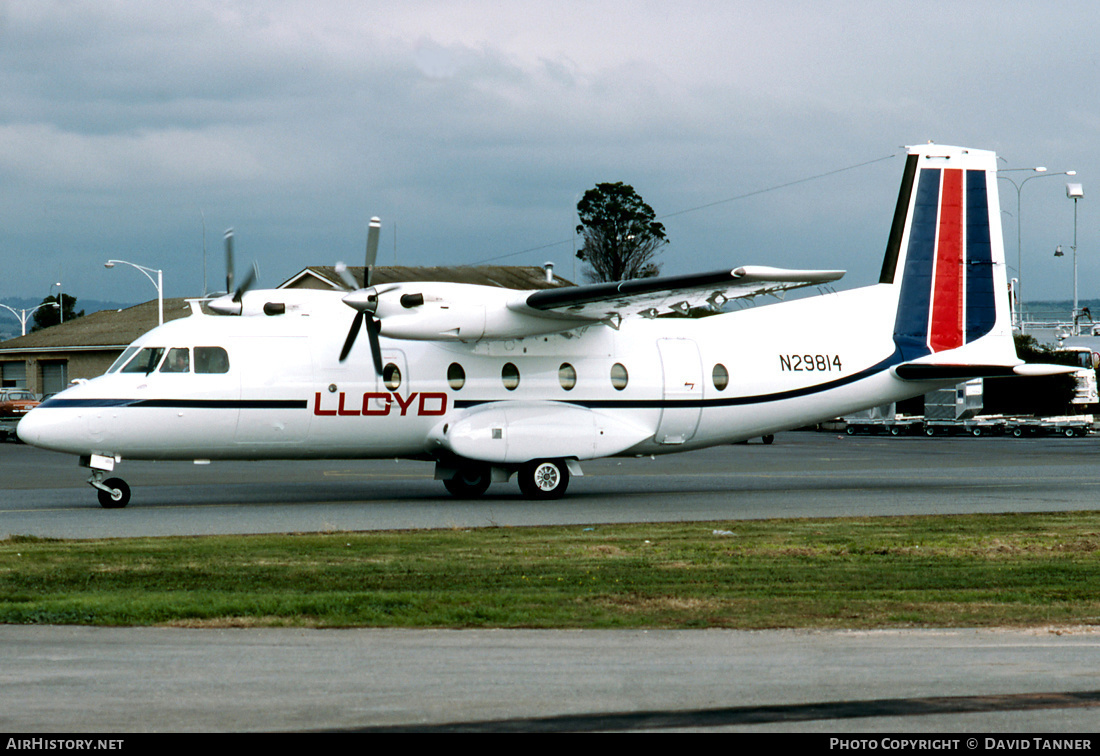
pixel 1040 172
pixel 1075 192
pixel 159 282
pixel 60 302
pixel 27 313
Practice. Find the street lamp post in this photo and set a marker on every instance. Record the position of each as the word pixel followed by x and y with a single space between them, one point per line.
pixel 1075 192
pixel 60 302
pixel 1040 172
pixel 27 313
pixel 159 282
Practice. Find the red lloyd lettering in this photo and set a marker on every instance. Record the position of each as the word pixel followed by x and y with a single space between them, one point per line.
pixel 379 404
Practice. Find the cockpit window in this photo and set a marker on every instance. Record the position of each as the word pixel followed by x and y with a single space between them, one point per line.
pixel 211 360
pixel 178 361
pixel 144 361
pixel 122 359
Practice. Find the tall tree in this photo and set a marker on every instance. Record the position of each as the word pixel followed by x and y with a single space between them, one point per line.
pixel 621 235
pixel 45 317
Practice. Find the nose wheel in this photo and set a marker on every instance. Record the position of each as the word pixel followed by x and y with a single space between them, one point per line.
pixel 113 493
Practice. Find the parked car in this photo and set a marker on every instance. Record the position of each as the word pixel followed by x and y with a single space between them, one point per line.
pixel 14 403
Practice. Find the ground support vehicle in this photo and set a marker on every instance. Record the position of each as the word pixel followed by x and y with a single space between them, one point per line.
pixel 1069 426
pixel 902 425
pixel 975 426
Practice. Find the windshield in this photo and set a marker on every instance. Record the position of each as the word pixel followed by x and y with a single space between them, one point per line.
pixel 122 359
pixel 145 361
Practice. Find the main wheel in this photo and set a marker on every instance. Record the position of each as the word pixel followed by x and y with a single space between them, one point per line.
pixel 471 481
pixel 119 499
pixel 544 479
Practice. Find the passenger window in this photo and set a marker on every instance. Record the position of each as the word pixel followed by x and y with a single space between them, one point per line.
pixel 178 361
pixel 721 376
pixel 567 376
pixel 391 376
pixel 211 360
pixel 144 361
pixel 456 376
pixel 510 375
pixel 619 376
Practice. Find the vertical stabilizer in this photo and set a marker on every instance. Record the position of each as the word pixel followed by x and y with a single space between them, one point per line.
pixel 946 254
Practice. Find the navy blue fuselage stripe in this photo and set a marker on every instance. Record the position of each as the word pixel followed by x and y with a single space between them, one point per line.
pixel 914 302
pixel 981 299
pixel 182 403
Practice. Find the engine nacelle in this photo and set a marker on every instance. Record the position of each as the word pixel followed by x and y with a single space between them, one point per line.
pixel 517 432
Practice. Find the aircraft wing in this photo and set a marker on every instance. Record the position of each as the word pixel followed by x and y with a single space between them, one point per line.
pixel 650 297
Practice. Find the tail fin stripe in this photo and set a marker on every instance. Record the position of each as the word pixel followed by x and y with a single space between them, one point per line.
pixel 897 229
pixel 981 305
pixel 947 300
pixel 911 325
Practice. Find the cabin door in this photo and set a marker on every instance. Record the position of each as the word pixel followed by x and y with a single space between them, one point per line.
pixel 682 369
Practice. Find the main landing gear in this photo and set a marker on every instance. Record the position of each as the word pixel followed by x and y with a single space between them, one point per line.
pixel 538 479
pixel 470 482
pixel 544 479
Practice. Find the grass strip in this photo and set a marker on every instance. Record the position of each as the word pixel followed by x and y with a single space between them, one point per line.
pixel 1012 570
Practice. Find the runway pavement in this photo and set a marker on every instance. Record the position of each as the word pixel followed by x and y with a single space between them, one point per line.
pixel 801 475
pixel 65 679
pixel 125 680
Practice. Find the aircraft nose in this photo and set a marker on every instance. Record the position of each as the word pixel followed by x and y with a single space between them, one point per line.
pixel 50 429
pixel 29 429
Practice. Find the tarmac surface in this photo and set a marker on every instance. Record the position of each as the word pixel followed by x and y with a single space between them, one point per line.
pixel 134 680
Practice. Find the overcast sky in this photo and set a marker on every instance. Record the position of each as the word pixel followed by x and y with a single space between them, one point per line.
pixel 473 128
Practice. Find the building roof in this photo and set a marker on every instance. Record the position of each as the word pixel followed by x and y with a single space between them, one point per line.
pixel 505 276
pixel 106 329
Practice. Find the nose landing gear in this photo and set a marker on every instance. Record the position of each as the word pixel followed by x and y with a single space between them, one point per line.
pixel 113 493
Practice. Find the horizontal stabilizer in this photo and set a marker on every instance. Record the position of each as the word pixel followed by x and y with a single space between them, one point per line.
pixel 932 372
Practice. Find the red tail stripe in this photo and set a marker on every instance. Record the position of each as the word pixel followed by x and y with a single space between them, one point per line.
pixel 947 292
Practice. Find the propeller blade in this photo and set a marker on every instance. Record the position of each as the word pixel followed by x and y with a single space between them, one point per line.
pixel 247 283
pixel 374 327
pixel 372 247
pixel 228 260
pixel 350 340
pixel 345 275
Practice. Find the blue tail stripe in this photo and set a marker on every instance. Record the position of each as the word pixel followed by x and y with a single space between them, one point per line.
pixel 911 324
pixel 981 304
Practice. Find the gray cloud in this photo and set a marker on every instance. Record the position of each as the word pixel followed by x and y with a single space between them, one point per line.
pixel 473 129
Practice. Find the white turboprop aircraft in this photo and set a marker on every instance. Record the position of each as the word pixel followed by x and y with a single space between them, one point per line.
pixel 488 382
